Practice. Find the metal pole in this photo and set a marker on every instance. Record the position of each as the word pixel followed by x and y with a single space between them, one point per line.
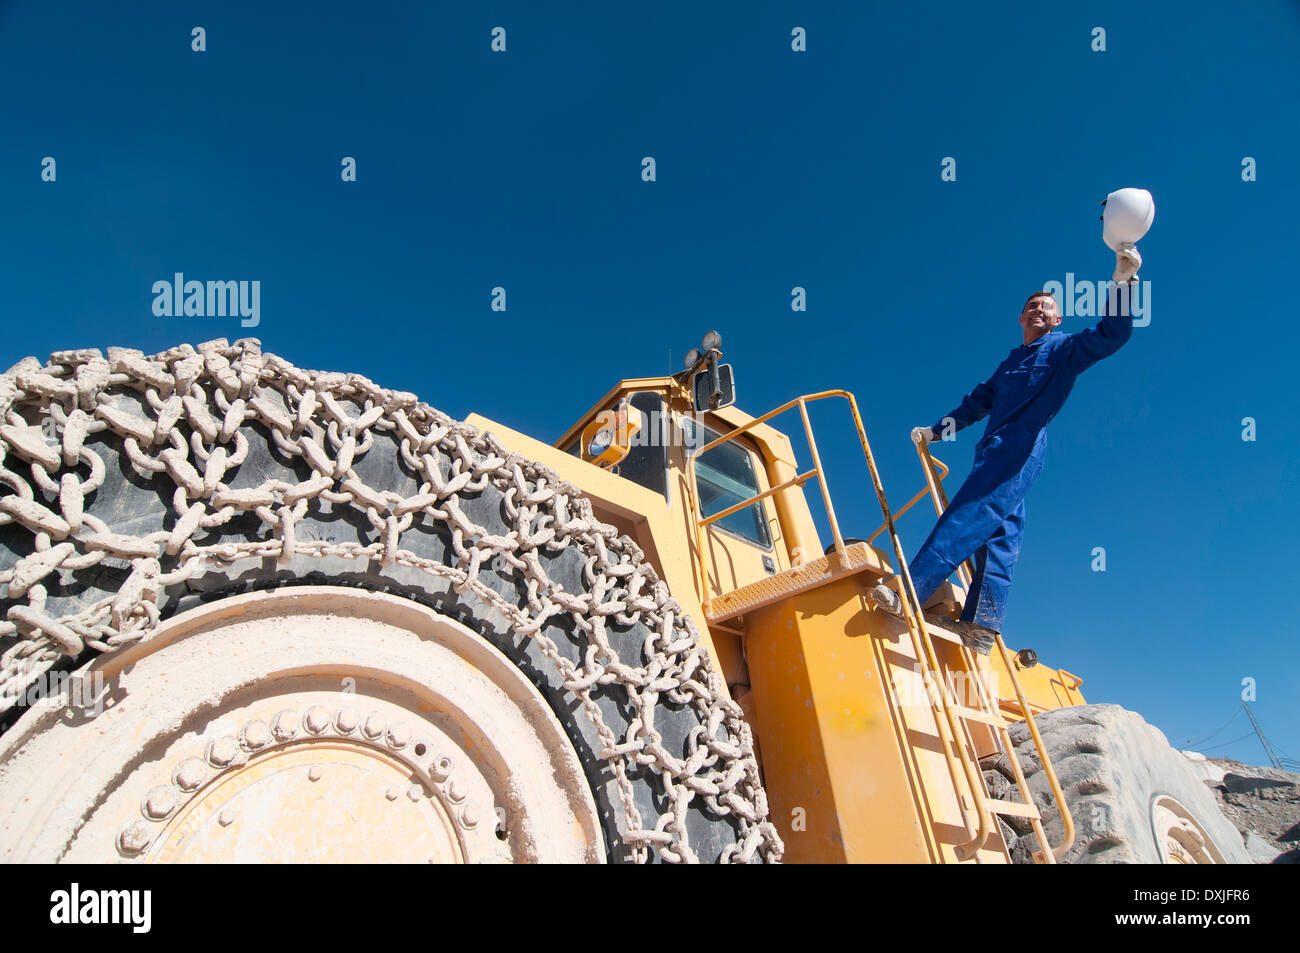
pixel 826 493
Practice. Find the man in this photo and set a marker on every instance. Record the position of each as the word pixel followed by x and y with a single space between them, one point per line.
pixel 986 516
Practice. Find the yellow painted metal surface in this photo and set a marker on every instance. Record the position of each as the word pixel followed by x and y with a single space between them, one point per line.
pixel 851 756
pixel 797 579
pixel 1046 688
pixel 617 428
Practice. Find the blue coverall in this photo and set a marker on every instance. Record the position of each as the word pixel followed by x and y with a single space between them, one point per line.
pixel 987 515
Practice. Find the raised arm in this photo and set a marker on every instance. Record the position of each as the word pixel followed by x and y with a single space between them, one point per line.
pixel 1085 348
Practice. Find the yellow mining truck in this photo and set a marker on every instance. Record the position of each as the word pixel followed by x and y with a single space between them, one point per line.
pixel 257 613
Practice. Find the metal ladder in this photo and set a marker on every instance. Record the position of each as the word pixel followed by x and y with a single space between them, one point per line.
pixel 959 716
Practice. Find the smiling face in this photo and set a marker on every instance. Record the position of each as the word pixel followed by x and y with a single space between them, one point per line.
pixel 1039 315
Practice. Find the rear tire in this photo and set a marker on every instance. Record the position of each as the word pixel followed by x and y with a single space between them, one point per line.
pixel 1133 798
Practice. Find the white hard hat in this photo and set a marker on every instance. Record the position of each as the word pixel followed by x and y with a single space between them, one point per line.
pixel 1128 216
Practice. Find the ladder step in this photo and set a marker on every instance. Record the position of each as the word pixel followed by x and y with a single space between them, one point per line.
pixel 938 632
pixel 1014 808
pixel 974 714
pixel 793 582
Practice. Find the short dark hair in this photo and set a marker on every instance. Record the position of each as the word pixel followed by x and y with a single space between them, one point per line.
pixel 1038 294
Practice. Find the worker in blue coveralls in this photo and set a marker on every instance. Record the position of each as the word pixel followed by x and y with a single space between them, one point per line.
pixel 987 515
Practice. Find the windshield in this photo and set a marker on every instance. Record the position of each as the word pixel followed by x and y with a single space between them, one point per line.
pixel 726 475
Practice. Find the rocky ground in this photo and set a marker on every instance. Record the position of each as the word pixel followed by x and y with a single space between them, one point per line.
pixel 1263 803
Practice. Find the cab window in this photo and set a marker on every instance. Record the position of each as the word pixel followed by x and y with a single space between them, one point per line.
pixel 726 475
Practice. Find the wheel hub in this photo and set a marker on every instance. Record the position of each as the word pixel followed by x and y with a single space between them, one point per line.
pixel 1179 837
pixel 310 724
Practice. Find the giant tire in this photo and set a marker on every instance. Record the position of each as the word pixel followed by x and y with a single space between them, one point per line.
pixel 1132 797
pixel 135 504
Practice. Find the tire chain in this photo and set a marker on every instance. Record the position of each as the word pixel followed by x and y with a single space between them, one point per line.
pixel 200 399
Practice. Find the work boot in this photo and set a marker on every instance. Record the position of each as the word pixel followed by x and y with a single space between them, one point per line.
pixel 886 600
pixel 977 638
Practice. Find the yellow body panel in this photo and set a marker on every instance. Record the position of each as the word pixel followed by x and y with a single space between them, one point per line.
pixel 851 753
pixel 1045 688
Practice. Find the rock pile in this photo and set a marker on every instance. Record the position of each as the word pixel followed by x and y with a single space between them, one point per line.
pixel 1263 803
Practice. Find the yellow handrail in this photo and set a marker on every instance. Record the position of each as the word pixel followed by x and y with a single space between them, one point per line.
pixel 702 522
pixel 800 480
pixel 920 495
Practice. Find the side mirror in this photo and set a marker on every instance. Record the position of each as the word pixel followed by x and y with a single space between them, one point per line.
pixel 713 388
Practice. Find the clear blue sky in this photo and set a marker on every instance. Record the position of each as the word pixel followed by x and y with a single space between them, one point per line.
pixel 775 169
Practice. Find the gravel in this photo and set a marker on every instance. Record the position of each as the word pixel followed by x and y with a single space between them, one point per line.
pixel 1263 803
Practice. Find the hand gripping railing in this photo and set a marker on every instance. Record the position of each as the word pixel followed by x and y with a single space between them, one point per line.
pixel 934 485
pixel 960 762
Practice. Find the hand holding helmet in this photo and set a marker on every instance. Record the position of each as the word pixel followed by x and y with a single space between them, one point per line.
pixel 1127 262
